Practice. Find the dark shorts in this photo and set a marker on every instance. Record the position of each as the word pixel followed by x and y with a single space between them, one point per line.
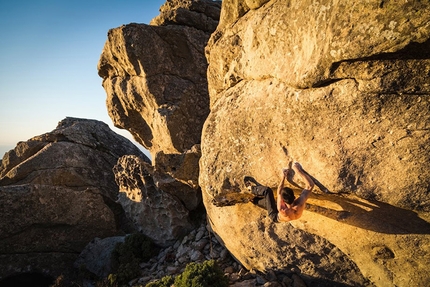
pixel 266 200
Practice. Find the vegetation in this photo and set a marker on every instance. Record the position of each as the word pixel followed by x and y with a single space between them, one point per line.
pixel 126 257
pixel 206 274
pixel 138 248
pixel 166 281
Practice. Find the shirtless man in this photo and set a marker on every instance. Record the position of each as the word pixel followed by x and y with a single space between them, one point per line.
pixel 287 206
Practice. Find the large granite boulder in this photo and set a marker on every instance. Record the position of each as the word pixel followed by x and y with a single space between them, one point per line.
pixel 301 42
pixel 57 193
pixel 344 89
pixel 155 76
pixel 341 87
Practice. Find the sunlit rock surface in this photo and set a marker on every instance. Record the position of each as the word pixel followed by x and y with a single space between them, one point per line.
pixel 341 87
pixel 155 81
pixel 344 89
pixel 155 76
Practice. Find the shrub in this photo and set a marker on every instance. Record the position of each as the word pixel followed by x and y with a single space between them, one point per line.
pixel 206 274
pixel 166 281
pixel 127 255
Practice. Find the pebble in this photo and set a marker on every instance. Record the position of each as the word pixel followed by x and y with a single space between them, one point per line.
pixel 200 245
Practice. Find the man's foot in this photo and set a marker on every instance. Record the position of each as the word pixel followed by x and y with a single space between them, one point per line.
pixel 249 182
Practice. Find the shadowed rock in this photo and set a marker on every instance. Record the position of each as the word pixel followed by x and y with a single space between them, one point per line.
pixel 58 192
pixel 156 213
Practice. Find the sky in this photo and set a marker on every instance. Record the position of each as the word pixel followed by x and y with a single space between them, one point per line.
pixel 49 51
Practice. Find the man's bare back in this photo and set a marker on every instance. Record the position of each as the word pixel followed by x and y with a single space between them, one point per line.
pixel 286 207
pixel 288 212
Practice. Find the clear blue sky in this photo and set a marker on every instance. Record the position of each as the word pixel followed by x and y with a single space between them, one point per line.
pixel 49 51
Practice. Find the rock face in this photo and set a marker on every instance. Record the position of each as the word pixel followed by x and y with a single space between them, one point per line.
pixel 155 80
pixel 58 192
pixel 156 213
pixel 45 227
pixel 79 153
pixel 155 76
pixel 342 88
pixel 202 15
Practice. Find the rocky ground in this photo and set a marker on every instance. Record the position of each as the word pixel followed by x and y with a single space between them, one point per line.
pixel 200 245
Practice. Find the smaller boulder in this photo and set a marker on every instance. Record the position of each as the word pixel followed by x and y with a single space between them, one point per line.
pixel 96 256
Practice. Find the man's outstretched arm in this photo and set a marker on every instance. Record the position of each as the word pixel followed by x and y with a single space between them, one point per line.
pixel 279 202
pixel 309 183
pixel 281 183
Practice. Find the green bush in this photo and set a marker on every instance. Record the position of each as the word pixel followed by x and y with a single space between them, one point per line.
pixel 206 274
pixel 166 281
pixel 127 255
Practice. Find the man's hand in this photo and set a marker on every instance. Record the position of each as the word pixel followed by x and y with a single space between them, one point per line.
pixel 297 167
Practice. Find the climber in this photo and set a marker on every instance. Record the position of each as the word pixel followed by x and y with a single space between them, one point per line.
pixel 287 206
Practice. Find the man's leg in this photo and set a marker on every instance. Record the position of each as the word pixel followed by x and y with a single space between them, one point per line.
pixel 267 200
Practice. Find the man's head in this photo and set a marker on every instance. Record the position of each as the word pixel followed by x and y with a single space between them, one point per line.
pixel 287 195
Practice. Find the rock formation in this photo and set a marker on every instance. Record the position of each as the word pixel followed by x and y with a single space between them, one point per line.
pixel 96 256
pixel 341 87
pixel 58 192
pixel 155 80
pixel 344 89
pixel 345 96
pixel 156 213
pixel 155 76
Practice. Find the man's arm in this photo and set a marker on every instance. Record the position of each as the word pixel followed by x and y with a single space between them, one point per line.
pixel 281 183
pixel 279 201
pixel 309 183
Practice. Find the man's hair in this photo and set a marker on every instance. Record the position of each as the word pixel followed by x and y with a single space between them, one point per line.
pixel 287 195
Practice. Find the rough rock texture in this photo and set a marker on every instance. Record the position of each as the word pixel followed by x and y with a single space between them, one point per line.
pixel 178 174
pixel 156 213
pixel 44 228
pixel 202 15
pixel 155 77
pixel 57 193
pixel 341 87
pixel 301 42
pixel 79 153
pixel 344 88
pixel 155 80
